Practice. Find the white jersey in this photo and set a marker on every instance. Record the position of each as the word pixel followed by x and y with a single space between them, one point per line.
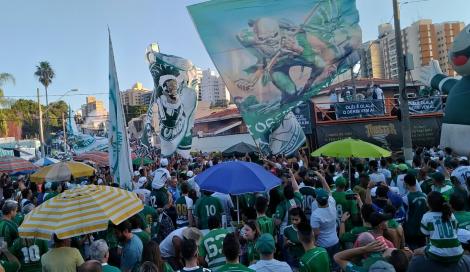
pixel 462 173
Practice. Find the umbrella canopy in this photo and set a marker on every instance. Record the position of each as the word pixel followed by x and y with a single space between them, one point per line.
pixel 82 210
pixel 237 177
pixel 99 157
pixel 351 148
pixel 45 161
pixel 138 161
pixel 239 149
pixel 11 165
pixel 62 171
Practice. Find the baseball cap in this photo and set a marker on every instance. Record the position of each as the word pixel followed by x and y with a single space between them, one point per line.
pixel 341 181
pixel 192 233
pixel 376 218
pixel 189 174
pixel 464 236
pixel 438 176
pixel 322 194
pixel 402 167
pixel 265 244
pixel 163 162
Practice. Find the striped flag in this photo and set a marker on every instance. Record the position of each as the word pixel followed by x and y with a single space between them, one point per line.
pixel 119 155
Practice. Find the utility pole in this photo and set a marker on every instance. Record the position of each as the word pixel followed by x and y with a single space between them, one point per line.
pixel 65 134
pixel 41 130
pixel 405 113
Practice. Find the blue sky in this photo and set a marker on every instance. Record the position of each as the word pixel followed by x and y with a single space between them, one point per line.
pixel 72 36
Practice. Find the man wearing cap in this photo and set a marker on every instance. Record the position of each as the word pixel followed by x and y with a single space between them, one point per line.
pixel 171 246
pixel 442 185
pixel 265 246
pixel 343 204
pixel 323 220
pixel 159 197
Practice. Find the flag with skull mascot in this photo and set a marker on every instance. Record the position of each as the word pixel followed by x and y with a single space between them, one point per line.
pixel 273 55
pixel 456 123
pixel 176 99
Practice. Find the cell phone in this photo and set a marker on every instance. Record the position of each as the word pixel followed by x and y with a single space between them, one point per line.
pixel 351 196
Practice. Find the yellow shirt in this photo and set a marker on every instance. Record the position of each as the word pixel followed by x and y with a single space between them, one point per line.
pixel 62 259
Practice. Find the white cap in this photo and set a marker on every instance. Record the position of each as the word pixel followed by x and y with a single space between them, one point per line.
pixel 464 236
pixel 136 173
pixel 189 174
pixel 163 162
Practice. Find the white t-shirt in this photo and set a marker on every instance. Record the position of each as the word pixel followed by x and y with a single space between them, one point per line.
pixel 325 220
pixel 270 266
pixel 386 173
pixel 146 193
pixel 377 177
pixel 462 173
pixel 166 246
pixel 379 93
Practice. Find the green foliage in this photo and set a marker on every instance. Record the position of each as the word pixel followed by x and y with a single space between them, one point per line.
pixel 45 73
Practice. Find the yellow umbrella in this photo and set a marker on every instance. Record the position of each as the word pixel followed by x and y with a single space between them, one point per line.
pixel 82 210
pixel 62 171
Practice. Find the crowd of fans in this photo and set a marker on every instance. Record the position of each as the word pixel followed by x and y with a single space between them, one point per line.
pixel 382 215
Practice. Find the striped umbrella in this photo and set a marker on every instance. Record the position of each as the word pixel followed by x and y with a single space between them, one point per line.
pixel 12 165
pixel 45 161
pixel 99 157
pixel 62 171
pixel 82 210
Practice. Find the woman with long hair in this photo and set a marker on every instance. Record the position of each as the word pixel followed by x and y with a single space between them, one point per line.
pixel 151 253
pixel 440 226
pixel 249 234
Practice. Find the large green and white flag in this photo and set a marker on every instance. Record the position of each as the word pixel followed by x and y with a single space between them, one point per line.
pixel 275 54
pixel 119 151
pixel 176 100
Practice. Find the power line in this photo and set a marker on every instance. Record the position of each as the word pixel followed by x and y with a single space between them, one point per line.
pixel 54 95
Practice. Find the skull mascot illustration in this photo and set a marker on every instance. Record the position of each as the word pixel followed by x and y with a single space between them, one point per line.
pixel 175 99
pixel 456 123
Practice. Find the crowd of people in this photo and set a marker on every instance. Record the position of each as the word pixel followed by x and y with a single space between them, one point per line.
pixel 381 215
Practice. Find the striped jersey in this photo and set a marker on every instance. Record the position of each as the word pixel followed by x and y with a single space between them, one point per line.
pixel 444 245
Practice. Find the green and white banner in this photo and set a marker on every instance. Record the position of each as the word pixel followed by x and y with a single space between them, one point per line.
pixel 275 54
pixel 176 99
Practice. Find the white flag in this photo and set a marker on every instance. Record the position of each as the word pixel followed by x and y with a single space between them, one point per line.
pixel 119 155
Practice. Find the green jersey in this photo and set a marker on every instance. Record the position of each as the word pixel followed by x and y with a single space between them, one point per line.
pixel 205 207
pixel 148 217
pixel 308 197
pixel 294 248
pixel 266 225
pixel 159 198
pixel 167 268
pixel 10 266
pixel 234 268
pixel 416 207
pixel 29 253
pixel 463 218
pixel 315 259
pixel 143 236
pixel 366 263
pixel 110 268
pixel 184 207
pixel 351 236
pixel 9 231
pixel 447 190
pixel 18 219
pixel 344 205
pixel 210 248
pixel 251 253
pixel 50 195
pixel 283 208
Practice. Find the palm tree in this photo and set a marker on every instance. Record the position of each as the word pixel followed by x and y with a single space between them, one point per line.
pixel 5 78
pixel 45 74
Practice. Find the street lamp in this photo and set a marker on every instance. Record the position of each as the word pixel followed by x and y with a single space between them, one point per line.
pixel 41 128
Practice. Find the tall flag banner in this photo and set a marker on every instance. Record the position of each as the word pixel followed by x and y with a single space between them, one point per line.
pixel 273 55
pixel 71 125
pixel 146 138
pixel 176 99
pixel 119 155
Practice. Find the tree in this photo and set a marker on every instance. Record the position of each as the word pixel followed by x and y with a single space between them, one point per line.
pixel 45 74
pixel 5 78
pixel 27 111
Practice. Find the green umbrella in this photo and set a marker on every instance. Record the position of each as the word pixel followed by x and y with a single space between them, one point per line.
pixel 351 148
pixel 138 161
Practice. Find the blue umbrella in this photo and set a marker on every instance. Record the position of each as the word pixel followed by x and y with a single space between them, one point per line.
pixel 236 178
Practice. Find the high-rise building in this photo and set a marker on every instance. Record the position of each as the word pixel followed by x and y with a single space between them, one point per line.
pixel 94 115
pixel 136 96
pixel 388 51
pixel 420 41
pixel 213 89
pixel 372 64
pixel 199 83
pixel 445 33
